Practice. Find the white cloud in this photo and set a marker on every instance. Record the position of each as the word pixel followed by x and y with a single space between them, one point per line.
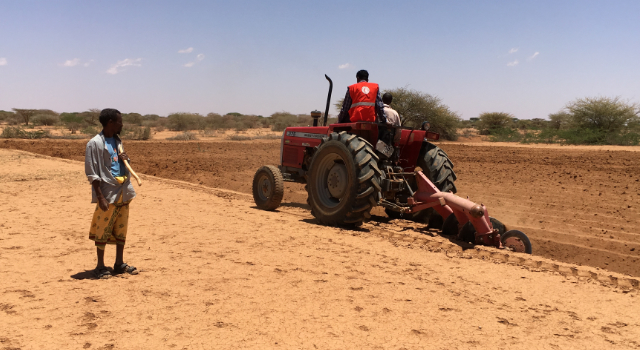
pixel 3 61
pixel 199 58
pixel 513 50
pixel 344 66
pixel 86 64
pixel 117 68
pixel 534 56
pixel 71 63
pixel 189 50
pixel 514 63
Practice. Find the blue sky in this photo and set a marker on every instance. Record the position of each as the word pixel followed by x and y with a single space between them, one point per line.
pixel 528 58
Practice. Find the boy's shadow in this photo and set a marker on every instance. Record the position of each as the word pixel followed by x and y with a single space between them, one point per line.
pixel 85 275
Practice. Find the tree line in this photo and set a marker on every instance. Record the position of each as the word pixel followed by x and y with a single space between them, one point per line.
pixel 585 121
pixel 598 120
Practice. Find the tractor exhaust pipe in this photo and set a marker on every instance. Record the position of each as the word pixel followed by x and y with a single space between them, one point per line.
pixel 326 111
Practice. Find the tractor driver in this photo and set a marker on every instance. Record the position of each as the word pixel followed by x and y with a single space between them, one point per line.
pixel 362 102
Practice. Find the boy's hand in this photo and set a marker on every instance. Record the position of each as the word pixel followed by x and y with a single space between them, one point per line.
pixel 123 156
pixel 102 202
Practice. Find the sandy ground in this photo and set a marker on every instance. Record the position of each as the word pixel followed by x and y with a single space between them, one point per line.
pixel 578 205
pixel 217 273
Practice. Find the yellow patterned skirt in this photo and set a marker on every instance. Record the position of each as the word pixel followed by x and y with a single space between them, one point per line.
pixel 110 227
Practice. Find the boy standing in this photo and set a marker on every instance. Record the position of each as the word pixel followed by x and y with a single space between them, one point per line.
pixel 111 190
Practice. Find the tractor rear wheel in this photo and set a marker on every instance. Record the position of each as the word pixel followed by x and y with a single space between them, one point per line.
pixel 438 168
pixel 343 180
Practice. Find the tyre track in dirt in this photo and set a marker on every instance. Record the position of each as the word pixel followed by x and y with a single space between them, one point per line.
pixel 577 205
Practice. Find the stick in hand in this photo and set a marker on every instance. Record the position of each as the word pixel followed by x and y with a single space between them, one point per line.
pixel 126 163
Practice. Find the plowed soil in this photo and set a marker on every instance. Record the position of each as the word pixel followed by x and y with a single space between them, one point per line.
pixel 577 205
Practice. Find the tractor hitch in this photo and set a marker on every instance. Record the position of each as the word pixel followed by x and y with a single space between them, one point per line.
pixel 467 220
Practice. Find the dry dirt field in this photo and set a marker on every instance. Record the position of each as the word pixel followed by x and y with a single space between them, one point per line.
pixel 578 205
pixel 216 273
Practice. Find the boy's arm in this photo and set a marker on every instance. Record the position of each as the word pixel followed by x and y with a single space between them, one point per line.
pixel 102 202
pixel 91 170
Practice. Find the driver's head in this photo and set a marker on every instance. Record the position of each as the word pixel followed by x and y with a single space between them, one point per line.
pixel 362 75
pixel 387 98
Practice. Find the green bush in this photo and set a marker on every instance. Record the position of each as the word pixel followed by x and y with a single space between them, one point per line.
pixel 492 122
pixel 464 124
pixel 132 118
pixel 572 136
pixel 91 117
pixel 151 117
pixel 45 119
pixel 150 123
pixel 414 107
pixel 185 121
pixel 90 130
pixel 185 136
pixel 597 137
pixel 560 120
pixel 282 120
pixel 593 121
pixel 73 121
pixel 602 113
pixel 505 135
pixel 4 115
pixel 12 132
pixel 136 132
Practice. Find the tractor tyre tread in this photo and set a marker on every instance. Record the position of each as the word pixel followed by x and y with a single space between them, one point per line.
pixel 437 166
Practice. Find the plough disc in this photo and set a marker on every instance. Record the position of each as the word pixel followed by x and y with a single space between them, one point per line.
pixel 468 232
pixel 513 240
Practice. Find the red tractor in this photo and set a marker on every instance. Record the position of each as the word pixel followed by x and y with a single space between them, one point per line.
pixel 346 176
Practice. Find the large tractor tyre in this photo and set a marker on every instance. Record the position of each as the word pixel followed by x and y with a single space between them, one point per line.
pixel 268 187
pixel 438 168
pixel 343 180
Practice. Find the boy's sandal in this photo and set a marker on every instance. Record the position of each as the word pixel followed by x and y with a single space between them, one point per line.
pixel 102 273
pixel 125 268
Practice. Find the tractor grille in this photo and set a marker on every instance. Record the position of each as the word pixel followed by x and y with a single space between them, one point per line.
pixel 290 155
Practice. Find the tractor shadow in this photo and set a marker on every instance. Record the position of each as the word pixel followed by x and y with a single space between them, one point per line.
pixel 346 228
pixel 419 227
pixel 306 207
pixel 296 205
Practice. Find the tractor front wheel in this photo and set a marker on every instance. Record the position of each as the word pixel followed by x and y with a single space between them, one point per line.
pixel 343 180
pixel 268 187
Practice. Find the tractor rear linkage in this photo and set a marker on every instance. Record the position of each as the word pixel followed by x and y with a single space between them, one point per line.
pixel 469 216
pixel 428 196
